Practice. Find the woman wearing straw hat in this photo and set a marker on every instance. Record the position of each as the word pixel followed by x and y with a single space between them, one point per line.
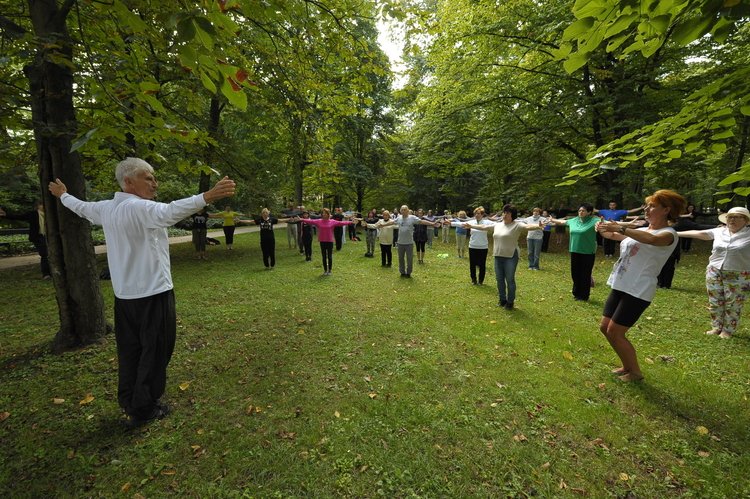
pixel 728 271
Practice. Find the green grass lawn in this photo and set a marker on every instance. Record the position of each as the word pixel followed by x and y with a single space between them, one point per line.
pixel 285 383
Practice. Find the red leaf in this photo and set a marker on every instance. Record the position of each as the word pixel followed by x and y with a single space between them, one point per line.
pixel 241 75
pixel 235 86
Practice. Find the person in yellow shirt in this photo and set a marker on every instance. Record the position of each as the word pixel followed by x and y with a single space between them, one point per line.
pixel 230 219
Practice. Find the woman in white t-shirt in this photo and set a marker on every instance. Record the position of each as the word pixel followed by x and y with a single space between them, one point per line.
pixel 643 252
pixel 728 271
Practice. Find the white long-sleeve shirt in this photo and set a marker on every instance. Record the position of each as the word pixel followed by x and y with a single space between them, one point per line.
pixel 137 241
pixel 478 238
pixel 730 251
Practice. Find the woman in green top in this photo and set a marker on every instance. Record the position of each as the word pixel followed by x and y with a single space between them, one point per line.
pixel 582 249
pixel 230 218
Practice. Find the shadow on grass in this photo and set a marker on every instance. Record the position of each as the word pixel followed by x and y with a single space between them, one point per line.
pixel 12 360
pixel 702 410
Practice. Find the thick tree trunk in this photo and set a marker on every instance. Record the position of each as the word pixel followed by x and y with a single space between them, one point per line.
pixel 71 252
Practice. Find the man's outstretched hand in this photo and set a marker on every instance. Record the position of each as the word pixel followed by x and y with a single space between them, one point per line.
pixel 224 188
pixel 57 188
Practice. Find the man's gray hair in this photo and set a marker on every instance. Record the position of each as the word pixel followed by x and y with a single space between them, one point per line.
pixel 129 168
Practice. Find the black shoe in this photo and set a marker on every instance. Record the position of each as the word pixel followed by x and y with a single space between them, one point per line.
pixel 160 411
pixel 474 283
pixel 502 303
pixel 509 306
pixel 408 276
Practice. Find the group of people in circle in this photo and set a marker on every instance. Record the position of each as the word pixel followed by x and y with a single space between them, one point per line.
pixel 648 245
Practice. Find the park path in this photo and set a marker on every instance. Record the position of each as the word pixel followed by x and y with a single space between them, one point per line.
pixel 33 259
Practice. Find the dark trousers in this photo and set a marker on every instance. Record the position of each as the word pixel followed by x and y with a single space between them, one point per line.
pixel 664 279
pixel 145 330
pixel 268 247
pixel 609 246
pixel 40 243
pixel 306 244
pixel 477 260
pixel 326 251
pixel 338 236
pixel 545 240
pixel 228 234
pixel 581 266
pixel 386 254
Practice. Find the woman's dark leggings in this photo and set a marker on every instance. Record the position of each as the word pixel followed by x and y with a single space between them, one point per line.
pixel 477 259
pixel 307 245
pixel 386 255
pixel 326 251
pixel 269 252
pixel 581 266
pixel 228 234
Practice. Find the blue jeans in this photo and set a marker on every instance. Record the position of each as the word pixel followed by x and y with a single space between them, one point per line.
pixel 505 274
pixel 535 249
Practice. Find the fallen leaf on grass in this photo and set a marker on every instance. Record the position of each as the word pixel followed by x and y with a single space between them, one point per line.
pixel 184 386
pixel 125 488
pixel 546 465
pixel 168 472
pixel 368 378
pixel 598 442
pixel 567 355
pixel 624 477
pixel 337 414
pixel 703 453
pixel 702 430
pixel 562 484
pixel 666 358
pixel 87 399
pixel 649 360
pixel 253 409
pixel 287 435
pixel 372 395
pixel 493 322
pixel 602 386
pixel 57 401
pixel 520 438
pixel 300 331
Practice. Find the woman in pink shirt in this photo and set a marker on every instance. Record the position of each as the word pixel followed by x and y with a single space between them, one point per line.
pixel 325 227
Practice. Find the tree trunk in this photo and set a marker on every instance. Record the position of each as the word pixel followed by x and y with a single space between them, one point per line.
pixel 214 120
pixel 71 252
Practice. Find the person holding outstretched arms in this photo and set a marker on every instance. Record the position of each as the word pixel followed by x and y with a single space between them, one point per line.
pixel 643 252
pixel 135 229
pixel 326 226
pixel 728 271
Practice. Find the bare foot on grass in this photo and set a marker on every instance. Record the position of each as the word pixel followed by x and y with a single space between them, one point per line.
pixel 628 377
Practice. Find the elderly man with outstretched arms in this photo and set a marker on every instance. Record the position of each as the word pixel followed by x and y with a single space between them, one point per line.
pixel 135 229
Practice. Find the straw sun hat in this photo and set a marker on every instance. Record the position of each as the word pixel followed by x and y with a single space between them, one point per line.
pixel 736 210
